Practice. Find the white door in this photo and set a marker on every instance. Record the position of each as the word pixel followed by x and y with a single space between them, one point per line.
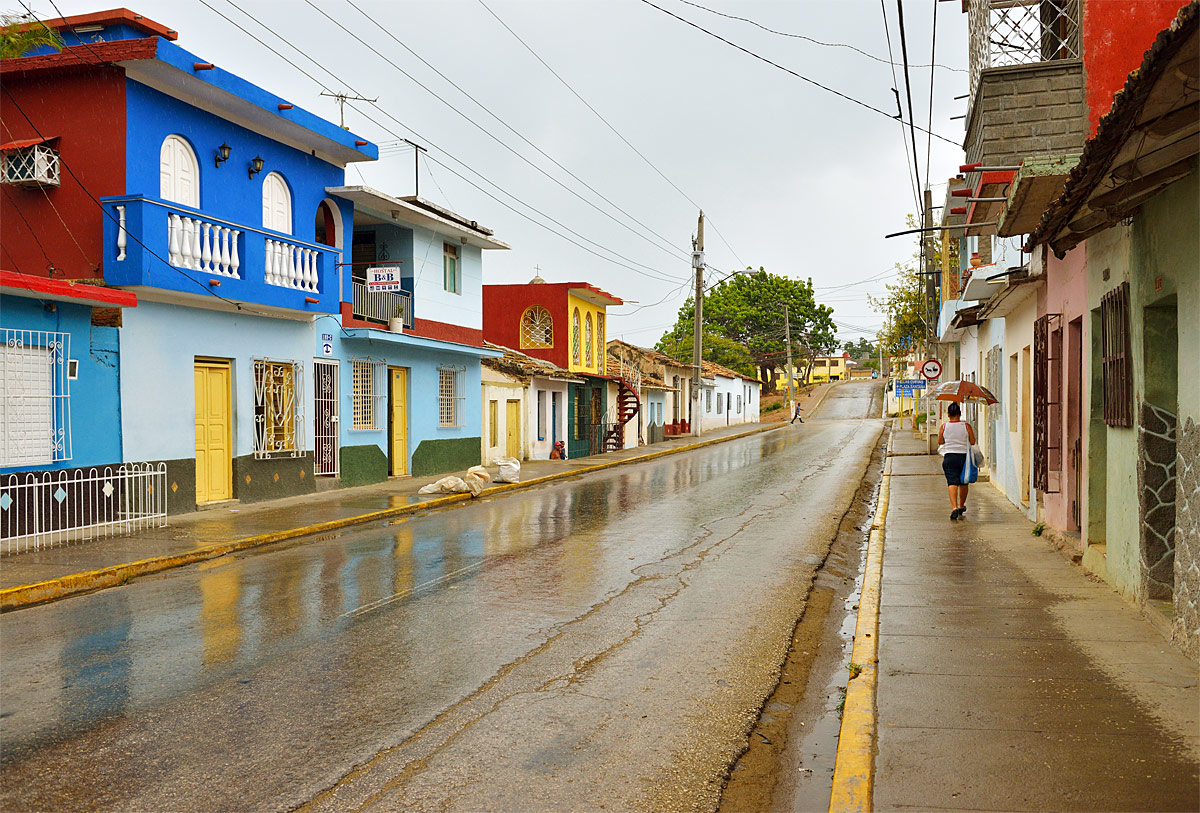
pixel 26 406
pixel 277 204
pixel 179 174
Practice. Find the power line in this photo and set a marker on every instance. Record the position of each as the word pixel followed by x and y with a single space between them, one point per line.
pixel 671 248
pixel 799 76
pixel 32 233
pixel 391 132
pixel 932 53
pixel 813 41
pixel 887 31
pixel 609 125
pixel 908 93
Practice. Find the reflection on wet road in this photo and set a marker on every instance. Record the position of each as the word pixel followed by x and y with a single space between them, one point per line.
pixel 259 681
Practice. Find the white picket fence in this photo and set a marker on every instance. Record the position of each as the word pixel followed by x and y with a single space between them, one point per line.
pixel 41 510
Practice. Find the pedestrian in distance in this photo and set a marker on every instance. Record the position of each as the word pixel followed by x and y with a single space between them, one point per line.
pixel 955 439
pixel 796 415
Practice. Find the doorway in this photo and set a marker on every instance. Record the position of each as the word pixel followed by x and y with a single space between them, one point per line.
pixel 512 429
pixel 214 432
pixel 398 420
pixel 1074 420
pixel 1026 424
pixel 325 417
pixel 1157 443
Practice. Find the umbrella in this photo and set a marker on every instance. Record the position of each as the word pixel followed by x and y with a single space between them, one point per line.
pixel 963 391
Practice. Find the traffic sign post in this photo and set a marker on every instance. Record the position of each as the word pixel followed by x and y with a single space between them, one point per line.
pixel 931 369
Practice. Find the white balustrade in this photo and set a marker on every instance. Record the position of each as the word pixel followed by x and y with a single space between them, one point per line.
pixel 197 245
pixel 290 266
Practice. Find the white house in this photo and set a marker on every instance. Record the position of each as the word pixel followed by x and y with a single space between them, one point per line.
pixel 663 386
pixel 732 399
pixel 524 407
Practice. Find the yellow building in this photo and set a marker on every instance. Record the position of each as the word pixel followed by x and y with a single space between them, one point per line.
pixel 824 368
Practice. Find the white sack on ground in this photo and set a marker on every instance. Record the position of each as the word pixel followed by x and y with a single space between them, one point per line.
pixel 475 483
pixel 510 470
pixel 446 485
pixel 481 473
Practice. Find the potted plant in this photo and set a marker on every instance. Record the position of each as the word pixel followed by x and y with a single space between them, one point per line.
pixel 396 323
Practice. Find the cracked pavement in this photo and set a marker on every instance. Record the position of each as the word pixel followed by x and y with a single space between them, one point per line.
pixel 605 641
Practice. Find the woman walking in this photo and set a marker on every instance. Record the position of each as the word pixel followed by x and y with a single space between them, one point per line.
pixel 955 438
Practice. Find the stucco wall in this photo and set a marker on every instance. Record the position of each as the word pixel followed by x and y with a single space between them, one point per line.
pixel 95 409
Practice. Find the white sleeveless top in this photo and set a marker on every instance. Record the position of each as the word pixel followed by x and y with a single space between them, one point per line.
pixel 955 438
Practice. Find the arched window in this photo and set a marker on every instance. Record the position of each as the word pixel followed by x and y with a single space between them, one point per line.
pixel 587 339
pixel 537 328
pixel 277 204
pixel 178 172
pixel 327 226
pixel 575 337
pixel 601 344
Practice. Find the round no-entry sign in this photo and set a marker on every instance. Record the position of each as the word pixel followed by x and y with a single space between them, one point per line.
pixel 931 369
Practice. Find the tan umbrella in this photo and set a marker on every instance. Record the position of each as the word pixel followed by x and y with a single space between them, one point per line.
pixel 964 391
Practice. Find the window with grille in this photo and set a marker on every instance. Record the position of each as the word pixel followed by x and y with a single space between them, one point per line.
pixel 708 400
pixel 537 328
pixel 575 357
pixel 365 393
pixel 1114 349
pixel 452 276
pixel 450 398
pixel 493 421
pixel 739 405
pixel 601 356
pixel 1021 32
pixel 36 165
pixel 277 418
pixel 35 403
pixel 587 340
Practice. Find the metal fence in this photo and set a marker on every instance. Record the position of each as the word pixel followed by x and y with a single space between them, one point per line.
pixel 1021 32
pixel 51 508
pixel 381 306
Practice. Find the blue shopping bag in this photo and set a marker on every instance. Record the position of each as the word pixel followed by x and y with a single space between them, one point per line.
pixel 970 470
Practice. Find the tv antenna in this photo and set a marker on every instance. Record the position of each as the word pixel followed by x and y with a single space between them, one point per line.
pixel 341 99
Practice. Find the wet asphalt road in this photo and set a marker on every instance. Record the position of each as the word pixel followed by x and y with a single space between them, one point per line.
pixel 600 641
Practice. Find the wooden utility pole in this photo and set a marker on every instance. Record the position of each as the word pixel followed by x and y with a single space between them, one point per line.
pixel 787 337
pixel 698 326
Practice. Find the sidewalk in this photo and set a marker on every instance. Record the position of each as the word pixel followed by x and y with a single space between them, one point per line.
pixel 1007 678
pixel 36 576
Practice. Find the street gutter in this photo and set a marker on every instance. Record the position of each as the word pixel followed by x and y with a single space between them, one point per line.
pixel 28 595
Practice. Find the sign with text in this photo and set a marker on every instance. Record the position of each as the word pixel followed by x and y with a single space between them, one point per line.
pixel 384 278
pixel 907 387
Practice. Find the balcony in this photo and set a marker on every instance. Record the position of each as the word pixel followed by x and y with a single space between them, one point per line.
pixel 152 244
pixel 1026 80
pixel 381 306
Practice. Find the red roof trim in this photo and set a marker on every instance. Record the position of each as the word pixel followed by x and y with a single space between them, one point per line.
pixel 26 142
pixel 116 16
pixel 98 54
pixel 64 289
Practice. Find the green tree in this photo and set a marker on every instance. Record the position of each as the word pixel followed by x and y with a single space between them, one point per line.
pixel 747 310
pixel 19 35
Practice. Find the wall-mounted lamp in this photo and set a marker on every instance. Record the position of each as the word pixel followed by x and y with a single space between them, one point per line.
pixel 256 165
pixel 223 154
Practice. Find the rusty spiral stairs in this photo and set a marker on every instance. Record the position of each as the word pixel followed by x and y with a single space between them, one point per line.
pixel 628 406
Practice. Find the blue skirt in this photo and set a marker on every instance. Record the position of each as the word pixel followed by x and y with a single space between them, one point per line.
pixel 952 466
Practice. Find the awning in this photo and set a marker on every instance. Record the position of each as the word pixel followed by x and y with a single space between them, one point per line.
pixel 360 334
pixel 58 290
pixel 26 142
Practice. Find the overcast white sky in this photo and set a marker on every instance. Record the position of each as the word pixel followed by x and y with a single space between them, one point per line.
pixel 794 178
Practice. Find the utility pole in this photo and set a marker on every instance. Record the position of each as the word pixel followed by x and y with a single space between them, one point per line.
pixel 417 150
pixel 787 337
pixel 698 326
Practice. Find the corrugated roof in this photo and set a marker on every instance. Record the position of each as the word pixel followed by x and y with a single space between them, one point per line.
pixel 516 363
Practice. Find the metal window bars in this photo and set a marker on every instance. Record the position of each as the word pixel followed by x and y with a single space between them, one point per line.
pixel 326 418
pixel 1047 404
pixel 1115 357
pixel 368 387
pixel 450 399
pixel 1022 32
pixel 46 509
pixel 35 397
pixel 278 419
pixel 37 165
pixel 537 328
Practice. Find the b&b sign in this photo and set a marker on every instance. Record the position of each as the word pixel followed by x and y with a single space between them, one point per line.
pixel 384 278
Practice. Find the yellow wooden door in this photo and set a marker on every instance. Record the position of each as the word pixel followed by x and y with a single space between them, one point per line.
pixel 512 427
pixel 214 435
pixel 398 420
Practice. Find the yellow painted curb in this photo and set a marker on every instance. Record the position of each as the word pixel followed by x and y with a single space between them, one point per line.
pixel 25 595
pixel 853 772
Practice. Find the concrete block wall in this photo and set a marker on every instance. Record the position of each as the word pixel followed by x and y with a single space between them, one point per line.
pixel 1025 110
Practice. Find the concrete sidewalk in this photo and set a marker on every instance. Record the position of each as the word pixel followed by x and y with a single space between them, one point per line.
pixel 1007 678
